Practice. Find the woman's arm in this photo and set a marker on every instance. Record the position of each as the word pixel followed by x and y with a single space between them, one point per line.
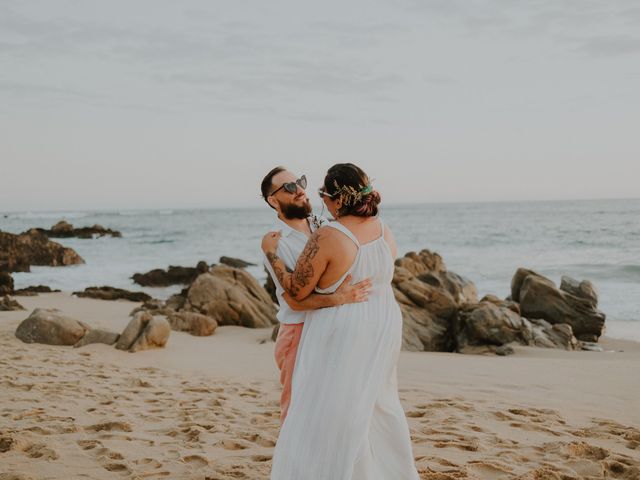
pixel 311 263
pixel 345 293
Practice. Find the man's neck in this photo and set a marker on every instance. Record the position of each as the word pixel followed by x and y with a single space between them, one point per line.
pixel 299 224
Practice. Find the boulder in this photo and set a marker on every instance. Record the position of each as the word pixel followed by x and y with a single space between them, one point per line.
pixel 575 303
pixel 49 326
pixel 19 252
pixel 155 335
pixel 98 336
pixel 8 304
pixel 112 293
pixel 143 332
pixel 488 324
pixel 194 323
pixel 429 296
pixel 6 283
pixel 231 296
pixel 270 287
pixel 64 229
pixel 172 276
pixel 236 262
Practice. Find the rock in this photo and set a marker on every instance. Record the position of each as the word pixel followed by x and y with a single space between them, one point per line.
pixel 143 332
pixel 172 276
pixel 513 306
pixel 33 290
pixel 429 297
pixel 63 229
pixel 112 293
pixel 19 252
pixel 275 331
pixel 236 262
pixel 591 347
pixel 6 283
pixel 575 304
pixel 133 330
pixel 547 335
pixel 8 304
pixel 231 296
pixel 154 335
pixel 194 323
pixel 98 336
pixel 486 323
pixel 504 350
pixel 49 326
pixel 270 287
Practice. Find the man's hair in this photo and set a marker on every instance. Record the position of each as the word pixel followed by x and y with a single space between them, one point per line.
pixel 267 183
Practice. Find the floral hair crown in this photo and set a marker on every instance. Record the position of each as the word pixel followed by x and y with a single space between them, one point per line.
pixel 350 195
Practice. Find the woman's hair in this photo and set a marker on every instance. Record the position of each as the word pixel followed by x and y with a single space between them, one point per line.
pixel 348 182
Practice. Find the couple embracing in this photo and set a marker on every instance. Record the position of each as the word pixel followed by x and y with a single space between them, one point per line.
pixel 340 332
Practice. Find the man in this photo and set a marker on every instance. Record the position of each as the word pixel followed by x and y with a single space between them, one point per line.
pixel 286 195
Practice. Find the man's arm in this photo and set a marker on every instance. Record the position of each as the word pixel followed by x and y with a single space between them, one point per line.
pixel 345 293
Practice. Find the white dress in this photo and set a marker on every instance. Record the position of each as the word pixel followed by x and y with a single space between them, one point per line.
pixel 346 421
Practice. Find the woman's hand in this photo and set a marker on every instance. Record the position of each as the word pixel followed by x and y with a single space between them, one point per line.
pixel 270 242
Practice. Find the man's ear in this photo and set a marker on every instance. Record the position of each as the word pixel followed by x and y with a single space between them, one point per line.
pixel 273 202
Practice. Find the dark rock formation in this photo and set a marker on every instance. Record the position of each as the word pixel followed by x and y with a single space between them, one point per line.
pixel 143 332
pixel 33 290
pixel 236 262
pixel 6 283
pixel 112 293
pixel 172 276
pixel 575 303
pixel 19 252
pixel 8 304
pixel 49 326
pixel 63 229
pixel 270 287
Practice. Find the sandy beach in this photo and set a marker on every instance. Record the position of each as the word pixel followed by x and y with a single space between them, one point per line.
pixel 207 407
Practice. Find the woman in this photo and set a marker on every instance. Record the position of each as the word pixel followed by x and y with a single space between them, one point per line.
pixel 345 421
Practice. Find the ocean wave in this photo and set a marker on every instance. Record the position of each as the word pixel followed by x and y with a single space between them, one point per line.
pixel 38 215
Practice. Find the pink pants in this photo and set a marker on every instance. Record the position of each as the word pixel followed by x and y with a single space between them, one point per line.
pixel 285 354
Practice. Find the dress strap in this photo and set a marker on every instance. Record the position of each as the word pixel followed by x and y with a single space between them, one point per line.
pixel 338 226
pixel 381 228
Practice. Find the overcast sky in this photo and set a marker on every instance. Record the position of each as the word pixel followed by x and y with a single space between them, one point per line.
pixel 161 104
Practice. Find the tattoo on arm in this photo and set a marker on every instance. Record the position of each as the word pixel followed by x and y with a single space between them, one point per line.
pixel 304 268
pixel 294 281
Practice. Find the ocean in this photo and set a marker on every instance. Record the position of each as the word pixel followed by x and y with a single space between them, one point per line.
pixel 598 240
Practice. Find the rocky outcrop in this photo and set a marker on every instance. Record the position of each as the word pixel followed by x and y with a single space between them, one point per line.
pixel 172 276
pixel 574 303
pixel 19 252
pixel 6 283
pixel 112 293
pixel 270 287
pixel 429 297
pixel 33 290
pixel 8 304
pixel 224 295
pixel 143 332
pixel 236 262
pixel 193 323
pixel 50 327
pixel 63 229
pixel 231 296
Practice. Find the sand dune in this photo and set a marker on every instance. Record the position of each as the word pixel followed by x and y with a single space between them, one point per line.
pixel 207 408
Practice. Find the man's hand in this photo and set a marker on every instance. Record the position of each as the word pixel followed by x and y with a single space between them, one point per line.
pixel 270 242
pixel 347 293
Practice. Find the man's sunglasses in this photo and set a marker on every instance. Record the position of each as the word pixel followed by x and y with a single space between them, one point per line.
pixel 292 187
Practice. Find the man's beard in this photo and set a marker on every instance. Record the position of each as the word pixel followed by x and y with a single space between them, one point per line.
pixel 291 210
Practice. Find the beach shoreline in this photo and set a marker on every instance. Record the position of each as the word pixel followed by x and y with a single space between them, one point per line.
pixel 207 407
